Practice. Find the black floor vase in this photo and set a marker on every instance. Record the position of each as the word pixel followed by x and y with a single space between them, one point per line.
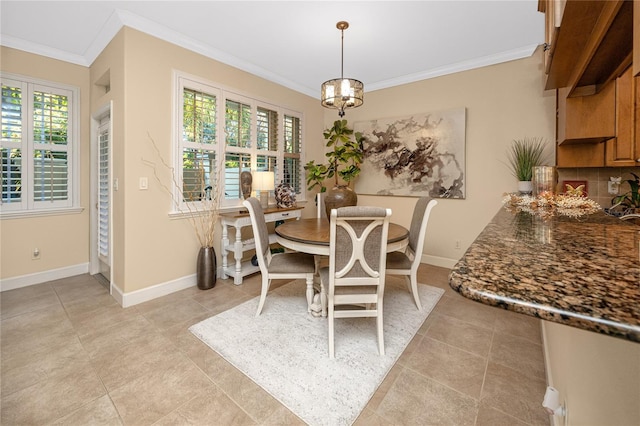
pixel 206 268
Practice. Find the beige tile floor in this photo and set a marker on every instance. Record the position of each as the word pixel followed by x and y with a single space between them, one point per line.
pixel 72 356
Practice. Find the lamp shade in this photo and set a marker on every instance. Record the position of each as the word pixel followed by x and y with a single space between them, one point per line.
pixel 342 93
pixel 264 181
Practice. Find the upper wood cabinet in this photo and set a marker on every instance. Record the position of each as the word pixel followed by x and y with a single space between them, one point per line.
pixel 590 46
pixel 636 37
pixel 624 149
pixel 601 130
pixel 586 119
pixel 593 61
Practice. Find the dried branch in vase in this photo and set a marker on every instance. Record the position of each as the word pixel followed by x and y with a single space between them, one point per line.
pixel 201 199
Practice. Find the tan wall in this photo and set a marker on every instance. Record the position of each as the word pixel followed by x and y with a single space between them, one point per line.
pixel 597 376
pixel 158 249
pixel 63 240
pixel 111 63
pixel 503 102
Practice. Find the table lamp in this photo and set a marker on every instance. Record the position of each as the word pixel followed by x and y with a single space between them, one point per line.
pixel 264 182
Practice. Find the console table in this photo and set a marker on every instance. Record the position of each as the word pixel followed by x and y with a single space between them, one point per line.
pixel 239 219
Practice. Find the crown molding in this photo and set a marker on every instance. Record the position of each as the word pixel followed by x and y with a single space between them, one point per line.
pixel 39 49
pixel 121 18
pixel 483 61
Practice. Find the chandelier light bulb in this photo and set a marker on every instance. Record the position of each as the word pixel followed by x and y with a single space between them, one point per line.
pixel 345 89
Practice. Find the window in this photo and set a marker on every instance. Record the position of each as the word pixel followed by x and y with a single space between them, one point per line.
pixel 255 136
pixel 39 148
pixel 292 148
pixel 198 153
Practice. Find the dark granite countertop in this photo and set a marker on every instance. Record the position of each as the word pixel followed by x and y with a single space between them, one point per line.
pixel 581 272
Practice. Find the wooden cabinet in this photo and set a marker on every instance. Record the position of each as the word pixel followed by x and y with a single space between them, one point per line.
pixel 553 11
pixel 584 155
pixel 584 123
pixel 591 46
pixel 586 119
pixel 636 37
pixel 593 56
pixel 624 149
pixel 601 130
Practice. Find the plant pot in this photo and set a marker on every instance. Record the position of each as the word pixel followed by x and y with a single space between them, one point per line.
pixel 339 196
pixel 206 268
pixel 525 187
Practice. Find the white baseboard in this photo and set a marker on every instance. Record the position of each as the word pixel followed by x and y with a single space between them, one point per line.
pixel 42 277
pixel 153 292
pixel 117 294
pixel 443 262
pixel 124 299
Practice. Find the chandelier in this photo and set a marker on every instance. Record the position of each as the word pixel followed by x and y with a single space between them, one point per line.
pixel 342 93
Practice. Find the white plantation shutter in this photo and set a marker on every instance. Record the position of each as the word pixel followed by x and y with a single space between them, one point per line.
pixel 50 143
pixel 104 180
pixel 199 145
pixel 38 146
pixel 292 171
pixel 267 129
pixel 13 123
pixel 237 124
pixel 253 136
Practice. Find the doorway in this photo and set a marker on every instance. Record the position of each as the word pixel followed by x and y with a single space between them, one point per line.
pixel 101 241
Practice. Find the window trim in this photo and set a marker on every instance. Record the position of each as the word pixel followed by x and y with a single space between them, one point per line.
pixel 223 93
pixel 35 209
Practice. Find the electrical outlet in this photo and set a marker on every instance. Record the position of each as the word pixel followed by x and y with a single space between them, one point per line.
pixel 457 245
pixel 35 254
pixel 613 186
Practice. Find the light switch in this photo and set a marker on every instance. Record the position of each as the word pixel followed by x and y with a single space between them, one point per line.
pixel 115 184
pixel 144 183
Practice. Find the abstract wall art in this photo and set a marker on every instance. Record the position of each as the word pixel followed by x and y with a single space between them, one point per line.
pixel 417 155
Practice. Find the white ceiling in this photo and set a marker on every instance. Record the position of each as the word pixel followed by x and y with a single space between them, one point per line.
pixel 293 43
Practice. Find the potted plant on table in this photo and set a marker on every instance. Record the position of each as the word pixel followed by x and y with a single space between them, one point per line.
pixel 523 156
pixel 344 164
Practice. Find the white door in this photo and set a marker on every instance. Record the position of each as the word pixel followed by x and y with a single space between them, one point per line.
pixel 103 203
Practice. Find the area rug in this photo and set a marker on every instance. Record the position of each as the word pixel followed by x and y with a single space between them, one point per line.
pixel 285 350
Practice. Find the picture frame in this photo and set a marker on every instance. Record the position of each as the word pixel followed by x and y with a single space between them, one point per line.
pixel 416 155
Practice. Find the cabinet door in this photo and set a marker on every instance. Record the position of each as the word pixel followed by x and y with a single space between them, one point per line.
pixel 580 155
pixel 636 37
pixel 621 150
pixel 586 119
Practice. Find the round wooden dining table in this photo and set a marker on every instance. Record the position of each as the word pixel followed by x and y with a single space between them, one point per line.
pixel 312 236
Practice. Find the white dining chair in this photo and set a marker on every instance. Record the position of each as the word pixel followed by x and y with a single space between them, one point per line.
pixel 355 278
pixel 291 265
pixel 406 263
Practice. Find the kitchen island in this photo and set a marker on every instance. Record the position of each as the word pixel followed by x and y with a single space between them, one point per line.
pixel 581 277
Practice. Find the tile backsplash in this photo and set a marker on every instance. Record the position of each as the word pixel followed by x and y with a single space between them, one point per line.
pixel 597 179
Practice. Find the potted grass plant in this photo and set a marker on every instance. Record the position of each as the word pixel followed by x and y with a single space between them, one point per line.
pixel 523 156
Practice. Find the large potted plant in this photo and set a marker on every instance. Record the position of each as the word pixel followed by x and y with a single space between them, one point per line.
pixel 343 165
pixel 523 156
